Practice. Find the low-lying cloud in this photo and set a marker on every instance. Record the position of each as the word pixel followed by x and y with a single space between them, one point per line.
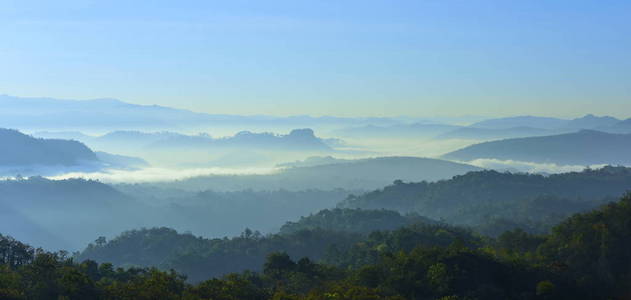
pixel 154 174
pixel 528 167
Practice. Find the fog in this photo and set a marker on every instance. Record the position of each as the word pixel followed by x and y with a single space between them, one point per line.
pixel 528 167
pixel 155 174
pixel 214 175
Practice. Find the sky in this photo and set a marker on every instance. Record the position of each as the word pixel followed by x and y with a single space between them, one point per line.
pixel 327 57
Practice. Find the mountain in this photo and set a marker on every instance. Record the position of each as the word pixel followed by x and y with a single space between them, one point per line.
pixel 360 174
pixel 591 122
pixel 121 161
pixel 201 258
pixel 109 114
pixel 296 140
pixel 133 138
pixel 19 149
pixel 75 209
pixel 27 155
pixel 584 257
pixel 474 133
pixel 22 227
pixel 521 121
pixel 68 214
pixel 416 130
pixel 586 147
pixel 588 121
pixel 353 220
pixel 217 214
pixel 499 201
pixel 620 127
pixel 313 161
pixel 64 135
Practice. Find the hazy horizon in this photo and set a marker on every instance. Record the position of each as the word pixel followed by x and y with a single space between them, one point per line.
pixel 402 117
pixel 351 58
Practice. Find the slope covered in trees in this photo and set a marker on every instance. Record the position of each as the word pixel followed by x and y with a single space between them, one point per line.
pixel 47 213
pixel 594 249
pixel 353 220
pixel 517 200
pixel 585 257
pixel 71 210
pixel 203 258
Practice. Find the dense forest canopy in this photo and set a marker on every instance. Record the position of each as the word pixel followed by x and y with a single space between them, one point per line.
pixel 477 198
pixel 354 220
pixel 585 257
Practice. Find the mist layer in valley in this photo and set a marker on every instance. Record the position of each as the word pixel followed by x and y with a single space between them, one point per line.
pixel 133 166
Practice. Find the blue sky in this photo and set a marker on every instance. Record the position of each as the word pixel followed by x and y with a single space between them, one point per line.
pixel 345 58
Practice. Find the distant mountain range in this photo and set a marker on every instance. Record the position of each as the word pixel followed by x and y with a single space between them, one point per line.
pixel 586 122
pixel 621 127
pixel 490 129
pixel 586 147
pixel 109 114
pixel 473 133
pixel 528 126
pixel 296 140
pixel 521 121
pixel 416 130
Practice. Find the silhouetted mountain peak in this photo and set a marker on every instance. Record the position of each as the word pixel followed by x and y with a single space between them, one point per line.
pixel 19 149
pixel 591 121
pixel 305 133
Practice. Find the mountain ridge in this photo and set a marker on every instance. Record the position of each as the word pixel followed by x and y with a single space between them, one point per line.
pixel 585 147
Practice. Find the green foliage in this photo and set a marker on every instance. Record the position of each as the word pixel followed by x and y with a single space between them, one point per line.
pixel 380 243
pixel 353 220
pixel 201 259
pixel 545 288
pixel 585 257
pixel 493 202
pixel 593 249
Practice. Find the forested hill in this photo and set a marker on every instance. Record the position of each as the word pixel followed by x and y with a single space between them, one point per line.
pixel 354 220
pixel 585 257
pixel 477 198
pixel 586 147
pixel 201 258
pixel 72 210
pixel 19 149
